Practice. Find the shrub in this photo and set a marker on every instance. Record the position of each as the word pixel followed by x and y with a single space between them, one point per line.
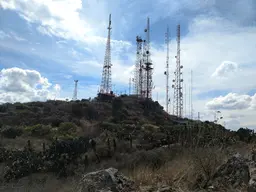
pixel 110 126
pixel 11 132
pixel 67 128
pixel 3 108
pixel 150 127
pixel 91 113
pixel 38 130
pixel 54 121
pixel 77 109
pixel 153 159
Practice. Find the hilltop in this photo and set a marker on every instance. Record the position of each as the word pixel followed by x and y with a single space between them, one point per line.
pixel 59 139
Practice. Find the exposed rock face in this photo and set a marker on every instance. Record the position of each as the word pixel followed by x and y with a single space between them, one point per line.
pixel 252 182
pixel 163 188
pixel 108 180
pixel 235 173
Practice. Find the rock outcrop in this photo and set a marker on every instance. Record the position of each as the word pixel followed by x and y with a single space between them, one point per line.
pixel 108 180
pixel 236 173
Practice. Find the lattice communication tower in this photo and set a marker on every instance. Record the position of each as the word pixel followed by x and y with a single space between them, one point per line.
pixel 138 72
pixel 167 70
pixel 148 83
pixel 106 86
pixel 143 72
pixel 178 82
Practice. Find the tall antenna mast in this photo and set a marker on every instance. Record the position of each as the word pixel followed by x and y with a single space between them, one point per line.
pixel 130 84
pixel 191 99
pixel 167 70
pixel 106 86
pixel 178 81
pixel 185 100
pixel 138 72
pixel 148 63
pixel 75 90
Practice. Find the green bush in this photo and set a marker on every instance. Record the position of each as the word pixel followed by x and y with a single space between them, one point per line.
pixel 77 109
pixel 91 112
pixel 3 108
pixel 150 127
pixel 11 132
pixel 110 126
pixel 67 128
pixel 38 130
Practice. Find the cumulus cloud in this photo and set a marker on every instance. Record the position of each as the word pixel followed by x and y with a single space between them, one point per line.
pixel 231 101
pixel 20 85
pixel 225 68
pixel 59 18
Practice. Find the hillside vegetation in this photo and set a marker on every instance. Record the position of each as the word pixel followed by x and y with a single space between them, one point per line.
pixel 58 139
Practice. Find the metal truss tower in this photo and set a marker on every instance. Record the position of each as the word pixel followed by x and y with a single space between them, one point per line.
pixel 75 90
pixel 178 82
pixel 148 84
pixel 167 70
pixel 138 72
pixel 106 85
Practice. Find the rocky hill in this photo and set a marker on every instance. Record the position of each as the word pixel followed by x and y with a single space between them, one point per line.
pixel 59 140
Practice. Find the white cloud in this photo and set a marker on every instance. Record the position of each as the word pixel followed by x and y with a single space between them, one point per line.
pixel 11 35
pixel 19 85
pixel 60 18
pixel 225 69
pixel 231 101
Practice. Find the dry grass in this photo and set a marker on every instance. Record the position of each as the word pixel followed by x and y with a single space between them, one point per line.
pixel 21 142
pixel 192 168
pixel 41 183
pixel 189 170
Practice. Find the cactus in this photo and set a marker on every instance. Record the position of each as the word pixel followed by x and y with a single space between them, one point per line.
pixel 43 147
pixel 86 162
pixel 29 145
pixel 130 138
pixel 114 144
pixel 109 148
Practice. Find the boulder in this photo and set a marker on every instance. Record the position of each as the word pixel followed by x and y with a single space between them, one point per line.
pixel 108 180
pixel 252 181
pixel 234 173
pixel 161 188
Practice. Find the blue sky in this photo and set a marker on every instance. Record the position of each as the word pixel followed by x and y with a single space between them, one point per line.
pixel 65 40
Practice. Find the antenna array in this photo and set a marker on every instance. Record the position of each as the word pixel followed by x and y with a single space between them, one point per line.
pixel 143 83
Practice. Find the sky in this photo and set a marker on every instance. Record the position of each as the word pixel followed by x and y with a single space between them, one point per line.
pixel 46 44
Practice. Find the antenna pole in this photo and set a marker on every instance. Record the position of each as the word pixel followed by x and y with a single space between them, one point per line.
pixel 148 63
pixel 75 90
pixel 167 70
pixel 191 97
pixel 185 100
pixel 178 81
pixel 130 82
